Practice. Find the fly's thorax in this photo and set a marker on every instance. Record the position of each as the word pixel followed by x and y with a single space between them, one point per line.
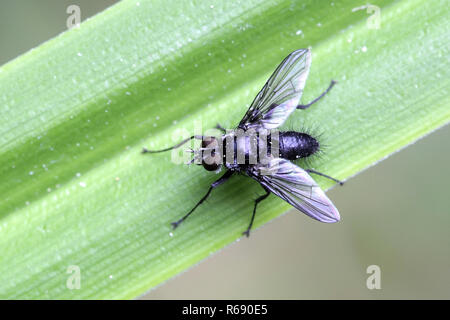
pixel 211 154
pixel 248 147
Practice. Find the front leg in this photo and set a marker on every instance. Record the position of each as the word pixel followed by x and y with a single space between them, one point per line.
pixel 218 126
pixel 215 184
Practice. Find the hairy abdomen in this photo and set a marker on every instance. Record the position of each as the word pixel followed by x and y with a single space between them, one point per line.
pixel 296 145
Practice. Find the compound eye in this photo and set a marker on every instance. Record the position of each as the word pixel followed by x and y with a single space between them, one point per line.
pixel 211 158
pixel 210 142
pixel 211 167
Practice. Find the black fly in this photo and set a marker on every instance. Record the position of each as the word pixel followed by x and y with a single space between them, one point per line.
pixel 265 153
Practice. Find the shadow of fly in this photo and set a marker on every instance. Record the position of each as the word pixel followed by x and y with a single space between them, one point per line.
pixel 257 149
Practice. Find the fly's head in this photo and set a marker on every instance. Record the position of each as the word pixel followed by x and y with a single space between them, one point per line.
pixel 209 155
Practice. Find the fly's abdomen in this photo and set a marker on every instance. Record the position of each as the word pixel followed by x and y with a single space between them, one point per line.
pixel 296 145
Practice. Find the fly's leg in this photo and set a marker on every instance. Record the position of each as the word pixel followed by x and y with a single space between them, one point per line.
pixel 145 150
pixel 218 126
pixel 215 184
pixel 305 106
pixel 324 175
pixel 261 198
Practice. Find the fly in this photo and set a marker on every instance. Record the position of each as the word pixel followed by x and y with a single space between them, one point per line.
pixel 266 154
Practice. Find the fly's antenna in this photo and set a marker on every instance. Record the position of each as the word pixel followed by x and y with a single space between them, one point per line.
pixel 145 150
pixel 197 156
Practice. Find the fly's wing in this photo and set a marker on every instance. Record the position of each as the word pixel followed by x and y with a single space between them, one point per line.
pixel 294 185
pixel 280 95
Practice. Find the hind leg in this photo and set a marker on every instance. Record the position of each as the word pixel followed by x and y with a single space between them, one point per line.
pixel 305 106
pixel 324 175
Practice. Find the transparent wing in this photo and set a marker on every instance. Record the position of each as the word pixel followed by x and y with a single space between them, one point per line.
pixel 294 185
pixel 280 95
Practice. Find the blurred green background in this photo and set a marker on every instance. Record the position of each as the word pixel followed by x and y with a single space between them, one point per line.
pixel 394 215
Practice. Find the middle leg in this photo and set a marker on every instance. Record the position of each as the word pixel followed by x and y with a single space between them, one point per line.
pixel 258 200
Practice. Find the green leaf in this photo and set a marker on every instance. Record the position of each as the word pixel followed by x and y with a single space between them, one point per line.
pixel 77 110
